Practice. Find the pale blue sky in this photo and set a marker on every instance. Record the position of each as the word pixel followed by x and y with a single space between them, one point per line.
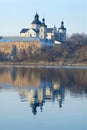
pixel 18 14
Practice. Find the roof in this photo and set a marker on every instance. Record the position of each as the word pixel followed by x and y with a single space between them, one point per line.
pixel 0 37
pixel 18 39
pixel 24 30
pixel 37 31
pixel 36 20
pixel 43 25
pixel 62 28
pixel 49 30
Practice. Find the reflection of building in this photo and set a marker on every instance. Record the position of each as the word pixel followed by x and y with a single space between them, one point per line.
pixel 39 85
pixel 37 97
pixel 48 94
pixel 34 86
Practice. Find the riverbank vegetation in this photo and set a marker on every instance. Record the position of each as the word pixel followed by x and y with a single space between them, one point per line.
pixel 71 52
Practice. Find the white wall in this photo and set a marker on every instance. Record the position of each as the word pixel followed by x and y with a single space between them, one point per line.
pixel 32 33
pixel 49 36
pixel 29 33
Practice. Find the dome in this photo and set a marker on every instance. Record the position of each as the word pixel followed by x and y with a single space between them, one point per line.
pixel 36 20
pixel 43 23
pixel 62 26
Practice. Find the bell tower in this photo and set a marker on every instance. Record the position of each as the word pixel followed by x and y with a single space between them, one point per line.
pixel 62 32
pixel 43 30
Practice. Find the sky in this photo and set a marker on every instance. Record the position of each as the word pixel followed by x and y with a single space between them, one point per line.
pixel 18 14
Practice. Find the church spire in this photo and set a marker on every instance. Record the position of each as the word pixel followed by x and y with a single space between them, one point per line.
pixel 62 24
pixel 36 16
pixel 43 22
pixel 36 19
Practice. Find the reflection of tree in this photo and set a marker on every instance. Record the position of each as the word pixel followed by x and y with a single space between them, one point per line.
pixel 14 73
pixel 73 79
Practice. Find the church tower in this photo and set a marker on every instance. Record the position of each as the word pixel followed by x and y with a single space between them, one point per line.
pixel 62 32
pixel 36 23
pixel 43 30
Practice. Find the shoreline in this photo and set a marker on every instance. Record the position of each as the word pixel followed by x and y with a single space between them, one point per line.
pixel 41 64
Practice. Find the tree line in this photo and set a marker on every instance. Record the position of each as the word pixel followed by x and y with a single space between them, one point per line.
pixel 73 50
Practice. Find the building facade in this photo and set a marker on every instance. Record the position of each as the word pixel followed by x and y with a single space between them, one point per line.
pixel 39 29
pixel 7 44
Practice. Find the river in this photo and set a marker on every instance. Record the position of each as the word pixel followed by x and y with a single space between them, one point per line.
pixel 43 98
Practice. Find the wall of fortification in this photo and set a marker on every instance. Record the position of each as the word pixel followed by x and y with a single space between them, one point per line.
pixel 6 47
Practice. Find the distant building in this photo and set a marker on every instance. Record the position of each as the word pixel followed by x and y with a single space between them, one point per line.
pixel 37 36
pixel 39 29
pixel 13 45
pixel 62 33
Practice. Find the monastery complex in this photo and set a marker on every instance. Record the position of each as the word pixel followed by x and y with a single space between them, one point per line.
pixel 39 29
pixel 36 36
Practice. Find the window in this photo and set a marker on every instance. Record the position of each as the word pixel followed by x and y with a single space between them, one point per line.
pixel 41 30
pixel 30 35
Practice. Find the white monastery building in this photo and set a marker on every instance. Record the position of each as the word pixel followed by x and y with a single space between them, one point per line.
pixel 39 30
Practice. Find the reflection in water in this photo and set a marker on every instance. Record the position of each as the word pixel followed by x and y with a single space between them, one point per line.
pixel 40 85
pixel 38 97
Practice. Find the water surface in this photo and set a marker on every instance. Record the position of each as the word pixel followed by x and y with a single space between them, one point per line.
pixel 43 98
